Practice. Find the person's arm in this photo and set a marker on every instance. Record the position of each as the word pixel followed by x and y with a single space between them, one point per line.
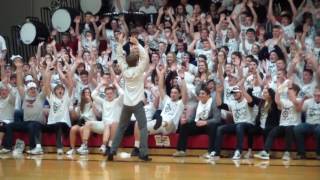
pixel 293 9
pixel 184 92
pixel 253 12
pixel 123 24
pixel 20 83
pixel 193 44
pixel 270 15
pixel 246 95
pixel 77 23
pixel 2 64
pixel 277 99
pixel 293 98
pixel 38 54
pixel 233 28
pixel 160 14
pixel 161 74
pixel 95 27
pixel 95 93
pixel 120 56
pixel 143 56
pixel 47 78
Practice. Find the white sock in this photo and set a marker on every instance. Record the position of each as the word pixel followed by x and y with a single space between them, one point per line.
pixel 38 145
pixel 103 146
pixel 110 143
pixel 136 144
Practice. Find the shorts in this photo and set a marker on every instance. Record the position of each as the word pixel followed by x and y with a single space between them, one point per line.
pixel 99 126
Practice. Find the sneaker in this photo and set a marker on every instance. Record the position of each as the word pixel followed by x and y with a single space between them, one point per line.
pixel 35 151
pixel 286 156
pixel 300 157
pixel 19 147
pixel 210 155
pixel 145 158
pixel 83 150
pixel 262 155
pixel 110 156
pixel 107 151
pixel 248 155
pixel 71 152
pixel 135 151
pixel 179 154
pixel 59 151
pixel 102 149
pixel 237 155
pixel 4 151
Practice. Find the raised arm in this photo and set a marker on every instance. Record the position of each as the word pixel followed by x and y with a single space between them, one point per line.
pixel 120 56
pixel 270 15
pixel 293 9
pixel 47 78
pixel 184 92
pixel 20 83
pixel 253 12
pixel 161 74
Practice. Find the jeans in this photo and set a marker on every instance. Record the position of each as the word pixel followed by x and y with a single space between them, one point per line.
pixel 256 131
pixel 192 129
pixel 60 129
pixel 33 128
pixel 239 129
pixel 305 128
pixel 126 113
pixel 286 131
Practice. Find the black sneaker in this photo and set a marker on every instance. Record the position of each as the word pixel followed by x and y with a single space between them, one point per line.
pixel 107 152
pixel 110 156
pixel 135 151
pixel 145 158
pixel 300 157
pixel 158 124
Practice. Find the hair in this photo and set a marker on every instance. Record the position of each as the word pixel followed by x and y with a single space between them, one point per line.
pixel 296 88
pixel 82 101
pixel 109 88
pixel 308 71
pixel 251 30
pixel 266 107
pixel 204 88
pixel 132 60
pixel 84 72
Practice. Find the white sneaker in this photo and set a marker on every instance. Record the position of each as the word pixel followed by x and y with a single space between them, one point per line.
pixel 248 155
pixel 83 150
pixel 4 151
pixel 237 155
pixel 18 147
pixel 35 151
pixel 179 154
pixel 71 152
pixel 286 156
pixel 262 155
pixel 210 155
pixel 102 149
pixel 60 151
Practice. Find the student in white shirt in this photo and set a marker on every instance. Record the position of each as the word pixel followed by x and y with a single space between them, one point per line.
pixel 205 121
pixel 59 100
pixel 132 67
pixel 3 47
pixel 241 109
pixel 84 112
pixel 111 108
pixel 148 8
pixel 290 117
pixel 311 126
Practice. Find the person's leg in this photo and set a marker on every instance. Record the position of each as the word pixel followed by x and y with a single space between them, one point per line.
pixel 10 128
pixel 34 129
pixel 228 128
pixel 289 137
pixel 275 132
pixel 316 131
pixel 299 132
pixel 106 134
pixel 251 133
pixel 211 130
pixel 139 113
pixel 123 124
pixel 136 134
pixel 73 135
pixel 113 130
pixel 241 128
pixel 2 131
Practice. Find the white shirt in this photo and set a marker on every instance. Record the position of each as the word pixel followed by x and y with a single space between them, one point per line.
pixel 7 107
pixel 87 113
pixel 312 111
pixel 172 110
pixel 289 116
pixel 111 110
pixel 241 111
pixel 3 45
pixel 133 77
pixel 150 10
pixel 59 109
pixel 203 110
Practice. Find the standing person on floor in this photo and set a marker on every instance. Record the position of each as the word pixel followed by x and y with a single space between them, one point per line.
pixel 132 67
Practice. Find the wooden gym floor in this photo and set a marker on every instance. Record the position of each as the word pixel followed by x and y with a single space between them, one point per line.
pixel 94 166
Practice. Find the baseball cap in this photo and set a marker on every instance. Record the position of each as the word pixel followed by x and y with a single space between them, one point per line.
pixel 31 85
pixel 235 89
pixel 14 57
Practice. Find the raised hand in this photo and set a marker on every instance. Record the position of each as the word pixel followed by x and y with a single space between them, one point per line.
pixel 77 19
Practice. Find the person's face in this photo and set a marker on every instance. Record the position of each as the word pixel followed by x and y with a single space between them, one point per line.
pixel 252 66
pixel 265 94
pixel 316 95
pixel 86 56
pixel 174 94
pixel 248 20
pixel 13 81
pixel 228 68
pixel 307 77
pixel 206 45
pixel 180 46
pixel 59 92
pixel 280 65
pixel 170 58
pixel 109 94
pixel 230 34
pixel 211 85
pixel 235 60
pixel 155 58
pixel 89 36
pixel 114 24
pixel 197 9
pixel 180 9
pixel 162 47
pixel 273 56
pixel 87 18
pixel 203 96
pixel 84 79
pixel 65 39
pixel 150 29
pixel 250 36
pixel 186 58
pixel 285 21
pixel 237 96
pixel 281 76
pixel 32 92
pixel 317 41
pixel 204 34
pixel 275 32
pixel 49 48
pixel 4 92
pixel 255 49
pixel 202 67
pixel 87 94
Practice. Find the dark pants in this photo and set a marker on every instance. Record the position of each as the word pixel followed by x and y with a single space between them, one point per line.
pixel 192 129
pixel 239 129
pixel 257 131
pixel 286 131
pixel 33 128
pixel 18 115
pixel 3 127
pixel 60 129
pixel 126 113
pixel 305 128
